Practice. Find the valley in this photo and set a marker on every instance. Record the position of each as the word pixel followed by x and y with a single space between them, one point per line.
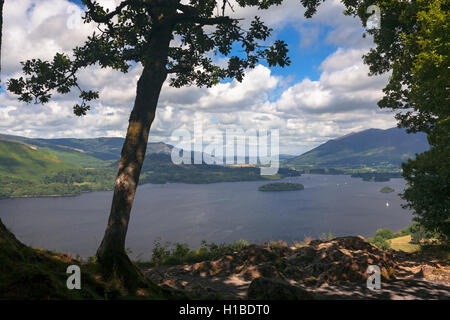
pixel 49 167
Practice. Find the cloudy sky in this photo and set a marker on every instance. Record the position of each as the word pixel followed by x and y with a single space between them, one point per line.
pixel 325 93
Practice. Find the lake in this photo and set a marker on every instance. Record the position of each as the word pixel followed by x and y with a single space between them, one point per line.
pixel 219 212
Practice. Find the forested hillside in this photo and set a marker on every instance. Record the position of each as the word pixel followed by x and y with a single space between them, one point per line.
pixel 42 167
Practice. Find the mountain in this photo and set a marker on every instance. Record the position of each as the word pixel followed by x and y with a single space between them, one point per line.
pixel 94 152
pixel 28 170
pixel 21 160
pixel 373 148
pixel 36 167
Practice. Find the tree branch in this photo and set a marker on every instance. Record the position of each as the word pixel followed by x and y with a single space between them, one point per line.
pixel 106 18
pixel 186 18
pixel 188 9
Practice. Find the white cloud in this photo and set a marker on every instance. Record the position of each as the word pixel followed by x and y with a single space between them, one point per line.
pixel 307 113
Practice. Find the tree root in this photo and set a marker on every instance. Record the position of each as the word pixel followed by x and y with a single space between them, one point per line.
pixel 119 269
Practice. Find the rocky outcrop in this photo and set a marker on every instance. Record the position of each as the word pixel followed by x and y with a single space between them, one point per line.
pixel 341 259
pixel 254 267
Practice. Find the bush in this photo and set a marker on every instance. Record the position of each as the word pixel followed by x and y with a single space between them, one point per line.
pixel 381 239
pixel 384 233
pixel 418 233
pixel 428 191
pixel 380 242
pixel 180 253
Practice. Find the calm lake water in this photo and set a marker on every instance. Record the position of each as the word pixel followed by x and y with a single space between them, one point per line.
pixel 219 212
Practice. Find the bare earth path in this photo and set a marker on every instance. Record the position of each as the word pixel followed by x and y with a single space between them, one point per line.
pixel 409 289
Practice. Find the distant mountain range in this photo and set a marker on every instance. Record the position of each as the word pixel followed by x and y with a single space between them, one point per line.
pixel 372 148
pixel 36 167
pixel 100 148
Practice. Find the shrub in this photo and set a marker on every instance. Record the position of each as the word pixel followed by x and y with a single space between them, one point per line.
pixel 180 253
pixel 384 233
pixel 380 242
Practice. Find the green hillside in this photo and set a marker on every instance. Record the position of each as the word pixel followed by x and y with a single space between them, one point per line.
pixel 372 148
pixel 27 170
pixel 28 162
pixel 93 152
pixel 78 158
pixel 38 167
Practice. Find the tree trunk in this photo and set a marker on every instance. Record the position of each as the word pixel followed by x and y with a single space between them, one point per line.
pixel 1 33
pixel 2 227
pixel 111 254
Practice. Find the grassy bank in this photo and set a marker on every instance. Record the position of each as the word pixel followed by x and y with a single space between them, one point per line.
pixel 404 243
pixel 28 273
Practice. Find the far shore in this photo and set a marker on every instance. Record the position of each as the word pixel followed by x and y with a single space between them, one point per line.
pixel 84 192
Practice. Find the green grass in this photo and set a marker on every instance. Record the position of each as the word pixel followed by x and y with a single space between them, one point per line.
pixel 26 273
pixel 404 240
pixel 78 159
pixel 21 161
pixel 403 244
pixel 27 170
pixel 36 274
pixel 274 177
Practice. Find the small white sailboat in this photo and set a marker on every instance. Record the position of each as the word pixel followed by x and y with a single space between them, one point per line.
pixel 387 204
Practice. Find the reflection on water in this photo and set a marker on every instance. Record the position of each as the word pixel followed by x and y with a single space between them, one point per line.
pixel 219 212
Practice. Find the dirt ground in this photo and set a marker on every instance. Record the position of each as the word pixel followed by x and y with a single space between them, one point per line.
pixel 334 269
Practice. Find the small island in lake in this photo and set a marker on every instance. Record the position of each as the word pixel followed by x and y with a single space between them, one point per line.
pixel 281 186
pixel 387 189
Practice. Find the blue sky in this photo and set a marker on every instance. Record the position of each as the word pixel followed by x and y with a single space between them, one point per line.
pixel 305 59
pixel 323 94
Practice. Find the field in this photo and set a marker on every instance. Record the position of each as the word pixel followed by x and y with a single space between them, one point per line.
pixel 403 244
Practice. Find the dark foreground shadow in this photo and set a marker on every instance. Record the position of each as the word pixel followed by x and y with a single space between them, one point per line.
pixel 404 289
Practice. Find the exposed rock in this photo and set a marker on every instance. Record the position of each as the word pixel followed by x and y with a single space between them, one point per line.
pixel 340 259
pixel 276 289
pixel 340 262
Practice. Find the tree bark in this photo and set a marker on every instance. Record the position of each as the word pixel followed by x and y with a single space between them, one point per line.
pixel 1 34
pixel 2 227
pixel 111 254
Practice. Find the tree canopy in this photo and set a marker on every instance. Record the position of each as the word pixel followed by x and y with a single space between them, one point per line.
pixel 412 43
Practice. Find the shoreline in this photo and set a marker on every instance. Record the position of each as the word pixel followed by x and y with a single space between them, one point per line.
pixel 206 183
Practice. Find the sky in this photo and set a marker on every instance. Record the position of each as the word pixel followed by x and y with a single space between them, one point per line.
pixel 325 92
